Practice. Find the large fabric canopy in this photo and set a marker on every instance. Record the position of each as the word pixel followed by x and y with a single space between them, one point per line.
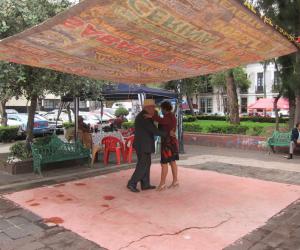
pixel 144 41
pixel 268 104
pixel 126 92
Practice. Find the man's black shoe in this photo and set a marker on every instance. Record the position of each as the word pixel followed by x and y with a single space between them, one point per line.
pixel 133 189
pixel 148 187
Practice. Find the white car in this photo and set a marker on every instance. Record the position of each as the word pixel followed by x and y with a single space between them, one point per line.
pixel 90 119
pixel 64 117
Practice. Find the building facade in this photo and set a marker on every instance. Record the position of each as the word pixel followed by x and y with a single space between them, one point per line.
pixel 213 100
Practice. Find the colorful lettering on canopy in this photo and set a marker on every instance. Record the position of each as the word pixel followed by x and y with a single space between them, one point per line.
pixel 145 41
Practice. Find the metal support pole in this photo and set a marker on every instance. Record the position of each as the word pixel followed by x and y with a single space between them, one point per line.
pixel 179 118
pixel 76 104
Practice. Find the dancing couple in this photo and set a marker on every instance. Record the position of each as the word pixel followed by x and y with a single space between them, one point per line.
pixel 145 131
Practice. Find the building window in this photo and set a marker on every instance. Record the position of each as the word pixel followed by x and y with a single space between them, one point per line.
pixel 244 104
pixel 209 105
pixel 225 105
pixel 202 105
pixel 260 83
pixel 206 105
pixel 51 103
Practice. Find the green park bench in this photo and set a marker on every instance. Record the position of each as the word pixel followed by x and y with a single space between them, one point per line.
pixel 279 139
pixel 55 151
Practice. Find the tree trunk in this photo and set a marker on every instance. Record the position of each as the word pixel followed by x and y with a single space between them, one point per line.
pixel 30 122
pixel 69 112
pixel 297 111
pixel 190 103
pixel 232 99
pixel 276 111
pixel 3 113
pixel 292 104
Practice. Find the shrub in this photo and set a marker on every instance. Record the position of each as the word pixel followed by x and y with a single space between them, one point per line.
pixel 127 125
pixel 42 140
pixel 189 118
pixel 121 111
pixel 227 129
pixel 20 151
pixel 242 119
pixel 67 125
pixel 192 127
pixel 256 131
pixel 8 133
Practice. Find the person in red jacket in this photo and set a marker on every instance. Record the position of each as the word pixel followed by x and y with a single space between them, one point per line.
pixel 169 145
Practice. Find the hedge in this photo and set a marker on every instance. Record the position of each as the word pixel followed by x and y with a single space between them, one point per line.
pixel 8 133
pixel 127 125
pixel 190 118
pixel 192 127
pixel 227 129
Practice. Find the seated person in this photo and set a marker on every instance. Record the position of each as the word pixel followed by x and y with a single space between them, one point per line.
pixel 118 121
pixel 82 126
pixel 295 140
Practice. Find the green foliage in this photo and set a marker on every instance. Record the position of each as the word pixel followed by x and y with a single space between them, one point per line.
pixel 239 75
pixel 127 125
pixel 227 129
pixel 42 140
pixel 20 151
pixel 8 133
pixel 67 125
pixel 255 131
pixel 192 127
pixel 121 111
pixel 225 118
pixel 189 118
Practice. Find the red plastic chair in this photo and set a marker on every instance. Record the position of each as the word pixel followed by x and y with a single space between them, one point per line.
pixel 129 148
pixel 113 145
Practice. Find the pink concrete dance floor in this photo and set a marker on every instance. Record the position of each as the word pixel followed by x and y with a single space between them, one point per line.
pixel 208 211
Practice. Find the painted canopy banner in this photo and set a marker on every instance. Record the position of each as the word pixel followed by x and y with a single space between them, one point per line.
pixel 144 41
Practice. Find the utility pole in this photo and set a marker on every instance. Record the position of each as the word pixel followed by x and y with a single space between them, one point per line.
pixel 179 117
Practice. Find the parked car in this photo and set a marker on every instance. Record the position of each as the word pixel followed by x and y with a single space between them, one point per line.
pixel 90 119
pixel 11 111
pixel 41 125
pixel 64 117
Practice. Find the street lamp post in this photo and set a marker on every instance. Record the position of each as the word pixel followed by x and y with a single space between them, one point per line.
pixel 179 117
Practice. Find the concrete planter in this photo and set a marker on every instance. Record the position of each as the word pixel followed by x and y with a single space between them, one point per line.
pixel 20 167
pixel 228 141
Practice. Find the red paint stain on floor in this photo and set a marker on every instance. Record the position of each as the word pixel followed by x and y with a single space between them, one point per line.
pixel 80 184
pixel 108 197
pixel 29 201
pixel 60 195
pixel 105 205
pixel 59 185
pixel 34 204
pixel 54 220
pixel 69 199
pixel 230 206
pixel 45 198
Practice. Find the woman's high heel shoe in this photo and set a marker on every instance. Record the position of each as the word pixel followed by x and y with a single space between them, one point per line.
pixel 173 185
pixel 161 187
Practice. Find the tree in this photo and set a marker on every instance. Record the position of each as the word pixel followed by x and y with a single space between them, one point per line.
pixel 11 75
pixel 285 13
pixel 16 16
pixel 189 86
pixel 231 80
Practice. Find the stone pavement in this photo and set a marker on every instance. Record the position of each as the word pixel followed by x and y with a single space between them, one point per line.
pixel 23 230
pixel 20 229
